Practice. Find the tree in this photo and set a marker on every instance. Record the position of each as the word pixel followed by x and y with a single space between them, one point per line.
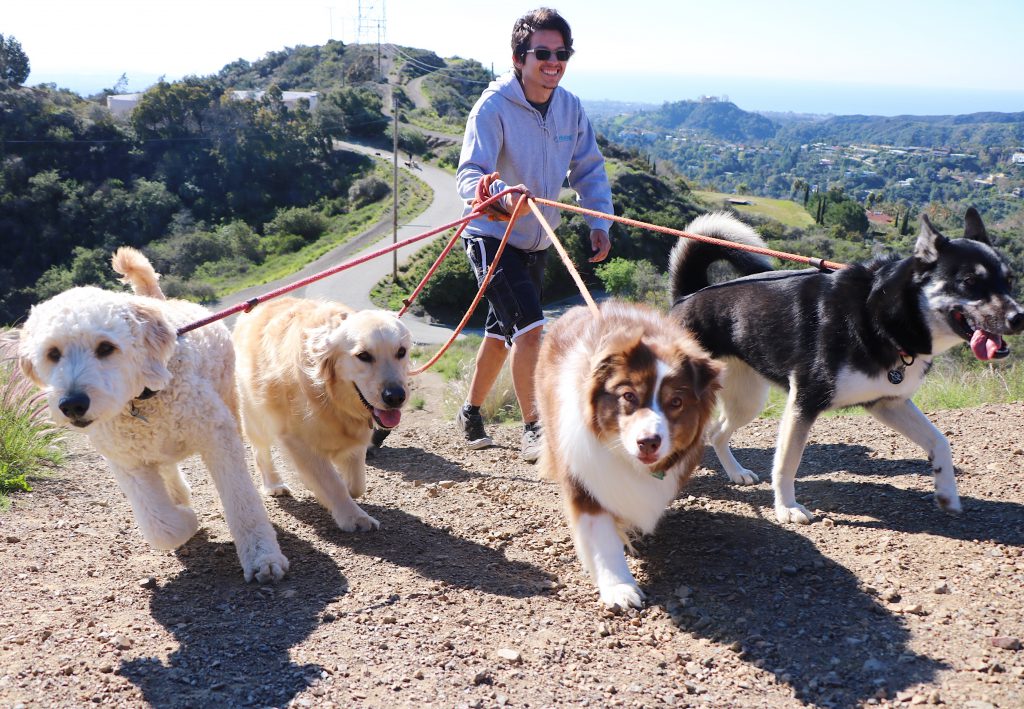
pixel 14 64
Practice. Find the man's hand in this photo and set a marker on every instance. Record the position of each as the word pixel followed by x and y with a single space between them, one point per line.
pixel 601 244
pixel 510 200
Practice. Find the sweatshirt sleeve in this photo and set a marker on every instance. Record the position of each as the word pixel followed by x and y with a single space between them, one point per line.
pixel 481 145
pixel 588 177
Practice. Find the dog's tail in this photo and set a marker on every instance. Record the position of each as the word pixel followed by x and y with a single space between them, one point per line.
pixel 690 260
pixel 138 272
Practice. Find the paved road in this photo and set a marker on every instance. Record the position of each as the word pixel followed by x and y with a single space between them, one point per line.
pixel 352 286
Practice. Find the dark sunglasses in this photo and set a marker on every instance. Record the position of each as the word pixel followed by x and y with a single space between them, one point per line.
pixel 543 55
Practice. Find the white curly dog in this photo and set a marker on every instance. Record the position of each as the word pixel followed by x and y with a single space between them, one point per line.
pixel 112 365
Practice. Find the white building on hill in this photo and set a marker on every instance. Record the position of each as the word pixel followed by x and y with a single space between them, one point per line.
pixel 121 105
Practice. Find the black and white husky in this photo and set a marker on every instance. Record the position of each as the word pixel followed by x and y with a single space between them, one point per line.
pixel 863 335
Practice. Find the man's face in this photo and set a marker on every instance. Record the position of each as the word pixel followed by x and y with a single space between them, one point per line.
pixel 540 78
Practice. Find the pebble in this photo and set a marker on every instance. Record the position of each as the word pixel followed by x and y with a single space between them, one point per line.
pixel 11 539
pixel 147 582
pixel 1005 642
pixel 446 484
pixel 941 587
pixel 509 655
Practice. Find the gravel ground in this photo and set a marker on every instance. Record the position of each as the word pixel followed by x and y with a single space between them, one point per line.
pixel 470 593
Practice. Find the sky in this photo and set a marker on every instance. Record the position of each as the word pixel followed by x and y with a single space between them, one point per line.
pixel 881 57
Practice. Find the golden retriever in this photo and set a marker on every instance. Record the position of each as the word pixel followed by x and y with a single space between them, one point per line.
pixel 315 377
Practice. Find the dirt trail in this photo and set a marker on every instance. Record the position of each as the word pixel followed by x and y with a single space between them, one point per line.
pixel 470 593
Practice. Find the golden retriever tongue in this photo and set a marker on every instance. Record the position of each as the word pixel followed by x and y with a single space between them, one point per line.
pixel 388 418
pixel 984 345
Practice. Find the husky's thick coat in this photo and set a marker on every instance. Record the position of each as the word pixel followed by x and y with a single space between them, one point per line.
pixel 863 335
pixel 624 398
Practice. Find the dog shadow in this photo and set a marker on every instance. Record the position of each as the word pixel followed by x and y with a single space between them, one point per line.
pixel 233 637
pixel 780 604
pixel 885 506
pixel 414 463
pixel 433 552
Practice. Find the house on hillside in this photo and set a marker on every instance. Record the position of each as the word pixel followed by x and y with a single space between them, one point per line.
pixel 121 105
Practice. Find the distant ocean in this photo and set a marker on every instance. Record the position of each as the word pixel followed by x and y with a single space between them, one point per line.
pixel 797 96
pixel 748 94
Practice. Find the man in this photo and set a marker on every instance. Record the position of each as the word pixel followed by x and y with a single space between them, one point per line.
pixel 535 135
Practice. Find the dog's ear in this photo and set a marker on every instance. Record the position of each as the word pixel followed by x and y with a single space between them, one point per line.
pixel 704 375
pixel 320 356
pixel 157 338
pixel 974 229
pixel 25 363
pixel 929 242
pixel 15 343
pixel 615 342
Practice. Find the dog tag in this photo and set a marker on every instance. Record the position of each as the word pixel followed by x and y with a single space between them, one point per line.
pixel 896 375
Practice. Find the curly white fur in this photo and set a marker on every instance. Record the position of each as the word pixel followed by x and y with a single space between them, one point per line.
pixel 96 352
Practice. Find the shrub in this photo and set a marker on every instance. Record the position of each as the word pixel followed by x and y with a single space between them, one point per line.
pixel 300 221
pixel 279 244
pixel 368 189
pixel 28 439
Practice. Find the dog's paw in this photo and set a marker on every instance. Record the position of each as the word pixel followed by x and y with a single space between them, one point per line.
pixel 949 503
pixel 742 477
pixel 278 490
pixel 361 522
pixel 797 514
pixel 622 595
pixel 171 528
pixel 267 566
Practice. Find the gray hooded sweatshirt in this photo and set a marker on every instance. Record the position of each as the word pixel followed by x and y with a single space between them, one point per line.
pixel 505 134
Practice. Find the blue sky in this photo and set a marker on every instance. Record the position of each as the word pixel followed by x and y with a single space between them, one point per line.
pixel 873 56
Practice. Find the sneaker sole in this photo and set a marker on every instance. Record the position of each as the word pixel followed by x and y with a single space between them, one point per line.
pixel 479 444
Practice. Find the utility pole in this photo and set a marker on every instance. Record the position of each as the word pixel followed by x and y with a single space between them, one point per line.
pixel 394 188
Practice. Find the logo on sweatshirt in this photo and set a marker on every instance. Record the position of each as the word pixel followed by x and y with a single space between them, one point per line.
pixel 563 138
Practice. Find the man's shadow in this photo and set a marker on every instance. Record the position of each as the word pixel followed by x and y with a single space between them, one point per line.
pixel 780 604
pixel 886 506
pixel 233 637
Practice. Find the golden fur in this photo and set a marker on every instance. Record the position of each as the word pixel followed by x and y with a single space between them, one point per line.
pixel 302 366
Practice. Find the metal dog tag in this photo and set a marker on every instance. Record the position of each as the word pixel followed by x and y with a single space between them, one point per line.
pixel 896 375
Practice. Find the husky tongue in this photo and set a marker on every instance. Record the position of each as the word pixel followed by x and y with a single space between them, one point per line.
pixel 984 345
pixel 388 418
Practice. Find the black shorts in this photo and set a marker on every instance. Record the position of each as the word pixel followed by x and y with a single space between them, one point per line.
pixel 513 295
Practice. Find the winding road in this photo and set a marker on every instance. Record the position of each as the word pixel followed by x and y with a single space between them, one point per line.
pixel 352 286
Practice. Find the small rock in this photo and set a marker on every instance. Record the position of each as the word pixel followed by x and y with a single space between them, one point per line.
pixel 446 484
pixel 509 655
pixel 482 678
pixel 941 587
pixel 418 674
pixel 890 595
pixel 11 539
pixel 121 642
pixel 147 582
pixel 684 591
pixel 790 570
pixel 1005 642
pixel 389 620
pixel 827 522
pixel 602 630
pixel 433 491
pixel 916 609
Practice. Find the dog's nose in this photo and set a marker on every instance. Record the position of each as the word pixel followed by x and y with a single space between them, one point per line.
pixel 74 405
pixel 649 444
pixel 1017 321
pixel 394 396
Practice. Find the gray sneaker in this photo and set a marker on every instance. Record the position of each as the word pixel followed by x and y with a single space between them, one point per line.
pixel 532 442
pixel 471 423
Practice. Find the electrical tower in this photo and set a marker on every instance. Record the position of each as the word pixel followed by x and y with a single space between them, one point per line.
pixel 371 22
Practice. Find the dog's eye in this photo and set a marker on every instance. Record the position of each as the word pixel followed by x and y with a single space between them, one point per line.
pixel 675 403
pixel 53 354
pixel 970 281
pixel 104 349
pixel 365 357
pixel 401 353
pixel 629 397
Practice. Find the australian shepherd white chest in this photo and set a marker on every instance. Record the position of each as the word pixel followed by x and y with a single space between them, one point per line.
pixel 624 398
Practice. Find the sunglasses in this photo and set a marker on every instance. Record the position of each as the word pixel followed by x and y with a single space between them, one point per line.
pixel 543 55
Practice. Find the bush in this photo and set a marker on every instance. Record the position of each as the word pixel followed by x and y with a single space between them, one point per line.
pixel 280 244
pixel 301 221
pixel 368 189
pixel 28 439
